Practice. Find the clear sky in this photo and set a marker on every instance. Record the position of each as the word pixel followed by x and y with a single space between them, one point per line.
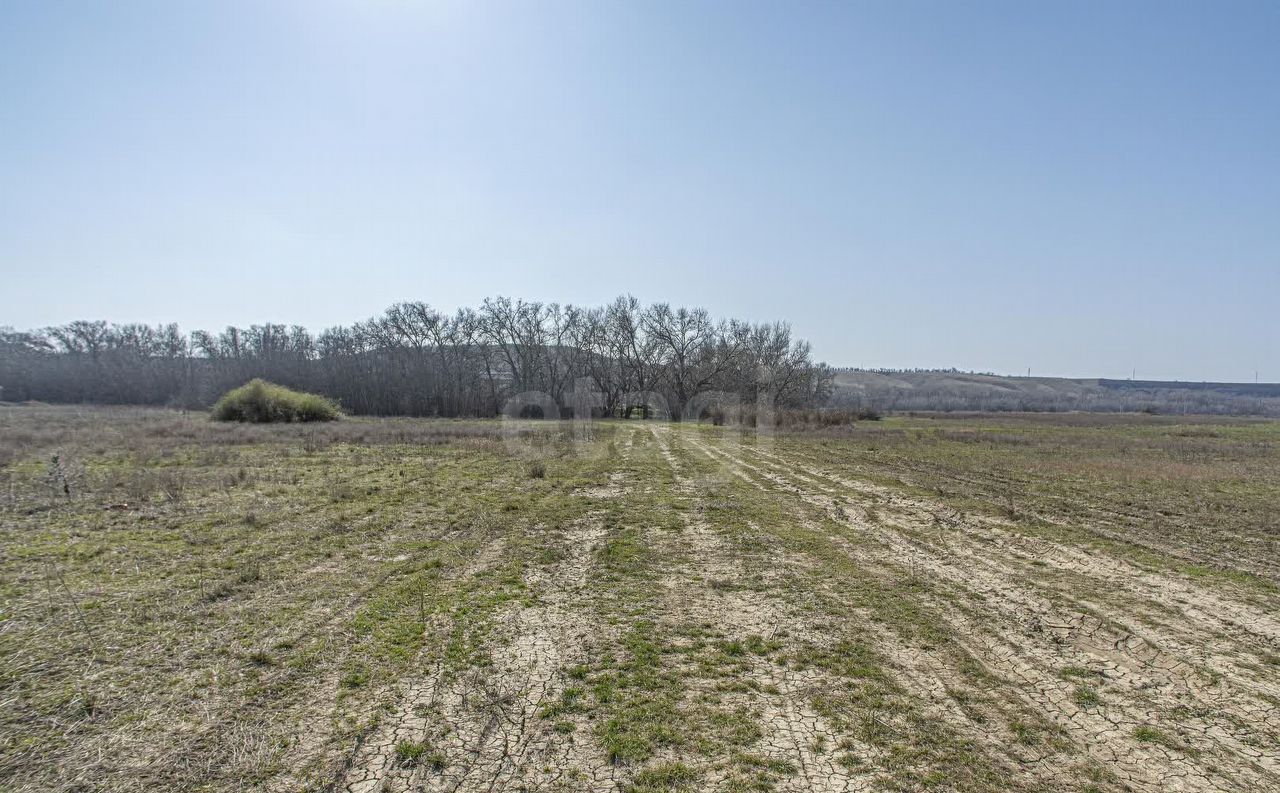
pixel 1081 188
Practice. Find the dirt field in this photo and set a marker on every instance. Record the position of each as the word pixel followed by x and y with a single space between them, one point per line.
pixel 974 603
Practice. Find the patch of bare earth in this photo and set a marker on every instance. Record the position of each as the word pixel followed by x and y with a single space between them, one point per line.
pixel 715 584
pixel 482 727
pixel 929 679
pixel 1166 684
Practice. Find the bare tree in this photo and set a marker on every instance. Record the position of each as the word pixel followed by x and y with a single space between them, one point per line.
pixel 693 352
pixel 414 360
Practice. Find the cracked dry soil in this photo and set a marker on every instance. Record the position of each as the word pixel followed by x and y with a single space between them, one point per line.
pixel 805 629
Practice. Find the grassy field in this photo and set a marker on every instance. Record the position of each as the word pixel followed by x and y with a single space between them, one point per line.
pixel 998 603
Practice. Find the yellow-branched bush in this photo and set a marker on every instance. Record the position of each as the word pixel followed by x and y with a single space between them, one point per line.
pixel 261 402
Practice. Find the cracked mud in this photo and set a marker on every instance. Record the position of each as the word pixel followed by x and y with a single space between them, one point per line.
pixel 646 607
pixel 1094 674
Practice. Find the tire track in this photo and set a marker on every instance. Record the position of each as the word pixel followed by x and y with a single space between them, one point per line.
pixel 483 730
pixel 793 730
pixel 1033 639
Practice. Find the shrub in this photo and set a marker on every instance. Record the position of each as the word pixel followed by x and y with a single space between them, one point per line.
pixel 261 402
pixel 411 753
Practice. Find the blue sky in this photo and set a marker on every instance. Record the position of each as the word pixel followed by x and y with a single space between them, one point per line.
pixel 1080 188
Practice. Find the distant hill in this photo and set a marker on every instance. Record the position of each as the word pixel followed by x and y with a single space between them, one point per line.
pixel 953 390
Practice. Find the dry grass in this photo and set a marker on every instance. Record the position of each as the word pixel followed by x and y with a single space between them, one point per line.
pixel 969 603
pixel 1202 489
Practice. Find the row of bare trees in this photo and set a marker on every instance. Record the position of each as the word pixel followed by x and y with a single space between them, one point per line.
pixel 415 360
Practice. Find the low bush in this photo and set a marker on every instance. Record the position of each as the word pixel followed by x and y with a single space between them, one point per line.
pixel 261 402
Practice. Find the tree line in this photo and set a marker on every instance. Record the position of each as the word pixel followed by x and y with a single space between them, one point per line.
pixel 415 360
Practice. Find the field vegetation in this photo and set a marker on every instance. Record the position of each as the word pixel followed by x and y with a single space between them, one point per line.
pixel 933 602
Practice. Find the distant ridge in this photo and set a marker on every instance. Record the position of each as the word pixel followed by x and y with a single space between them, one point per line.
pixel 955 390
pixel 1271 390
